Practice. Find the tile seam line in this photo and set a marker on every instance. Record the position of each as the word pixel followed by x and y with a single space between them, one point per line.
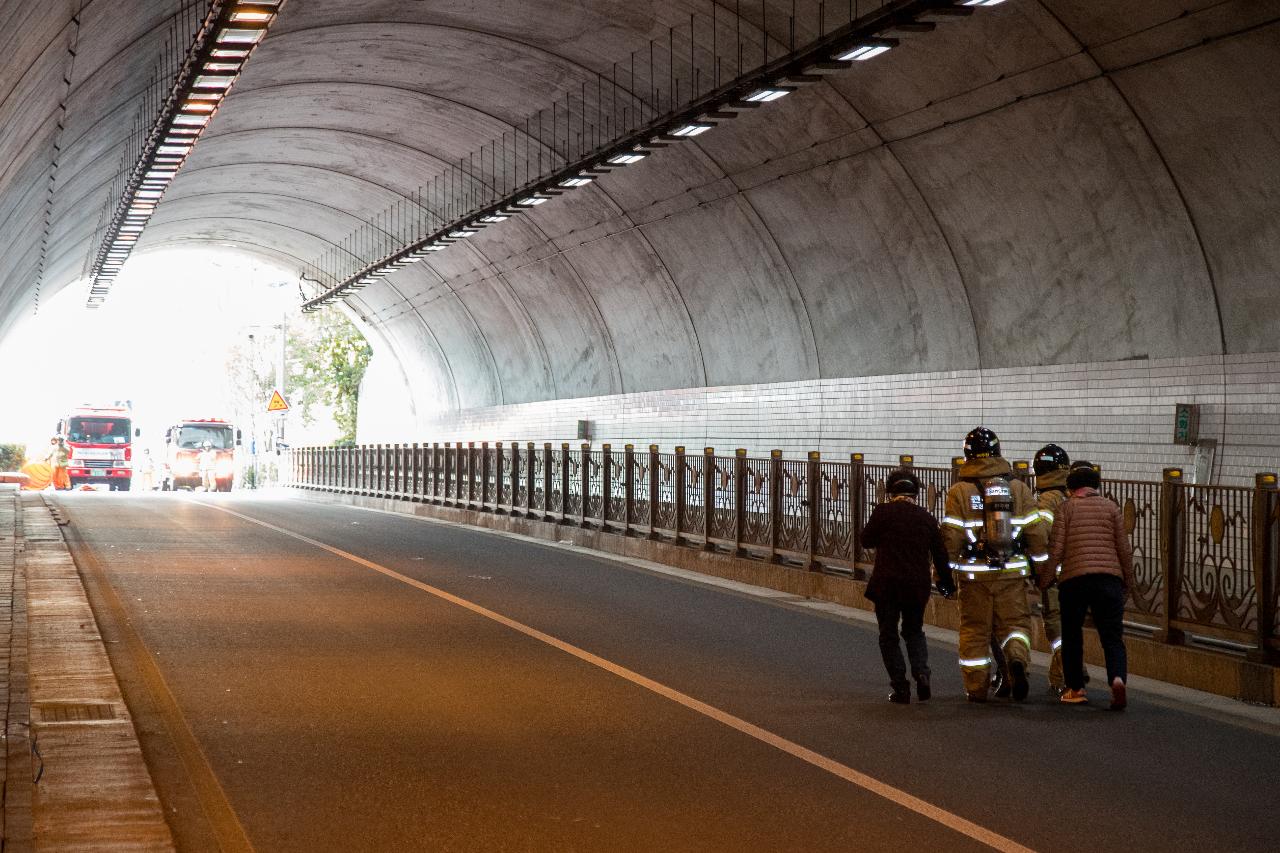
pixel 868 783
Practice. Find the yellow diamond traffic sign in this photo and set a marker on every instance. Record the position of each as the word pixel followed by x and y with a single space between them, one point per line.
pixel 277 403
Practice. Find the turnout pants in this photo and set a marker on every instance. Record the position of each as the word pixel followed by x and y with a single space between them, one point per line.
pixel 1052 616
pixel 995 608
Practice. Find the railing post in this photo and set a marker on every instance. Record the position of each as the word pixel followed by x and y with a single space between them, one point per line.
pixel 485 497
pixel 629 483
pixel 433 472
pixel 775 504
pixel 415 472
pixel 397 470
pixel 679 496
pixel 653 492
pixel 814 474
pixel 606 483
pixel 471 474
pixel 499 477
pixel 1172 536
pixel 564 482
pixel 449 461
pixel 1266 561
pixel 514 496
pixel 530 478
pixel 708 496
pixel 857 506
pixel 584 479
pixel 387 469
pixel 739 499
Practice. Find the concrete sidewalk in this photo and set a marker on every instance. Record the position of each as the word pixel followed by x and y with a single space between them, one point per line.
pixel 75 779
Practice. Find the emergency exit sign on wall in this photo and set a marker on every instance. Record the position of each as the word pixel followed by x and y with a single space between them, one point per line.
pixel 1186 423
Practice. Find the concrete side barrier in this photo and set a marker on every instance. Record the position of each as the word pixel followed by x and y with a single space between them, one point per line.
pixel 93 790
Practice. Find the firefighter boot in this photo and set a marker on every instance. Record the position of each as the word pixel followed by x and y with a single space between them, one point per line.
pixel 1053 633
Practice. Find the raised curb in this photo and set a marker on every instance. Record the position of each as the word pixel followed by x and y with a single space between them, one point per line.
pixel 1199 669
pixel 95 792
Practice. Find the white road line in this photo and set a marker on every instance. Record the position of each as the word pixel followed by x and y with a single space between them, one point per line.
pixel 862 780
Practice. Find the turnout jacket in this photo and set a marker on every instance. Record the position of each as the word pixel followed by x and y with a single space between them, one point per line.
pixel 1089 538
pixel 962 524
pixel 1051 493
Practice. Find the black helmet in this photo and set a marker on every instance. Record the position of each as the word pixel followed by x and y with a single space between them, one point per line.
pixel 902 482
pixel 981 443
pixel 1051 457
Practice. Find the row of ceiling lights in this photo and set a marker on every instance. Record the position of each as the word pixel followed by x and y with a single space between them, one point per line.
pixel 230 33
pixel 861 50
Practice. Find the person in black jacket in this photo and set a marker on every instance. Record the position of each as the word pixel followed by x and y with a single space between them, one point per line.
pixel 906 538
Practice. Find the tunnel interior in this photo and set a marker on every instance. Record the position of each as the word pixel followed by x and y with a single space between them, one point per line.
pixel 1054 217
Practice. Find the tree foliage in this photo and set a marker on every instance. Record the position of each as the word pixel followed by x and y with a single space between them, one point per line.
pixel 329 358
pixel 12 456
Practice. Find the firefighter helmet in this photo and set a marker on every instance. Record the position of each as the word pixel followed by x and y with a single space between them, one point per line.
pixel 981 443
pixel 902 482
pixel 1051 457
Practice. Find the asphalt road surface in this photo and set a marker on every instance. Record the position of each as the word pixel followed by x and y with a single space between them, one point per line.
pixel 310 677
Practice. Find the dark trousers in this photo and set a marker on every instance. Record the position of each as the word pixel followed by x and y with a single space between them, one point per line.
pixel 1102 596
pixel 888 615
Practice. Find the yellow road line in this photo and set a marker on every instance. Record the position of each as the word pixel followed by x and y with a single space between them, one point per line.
pixel 843 771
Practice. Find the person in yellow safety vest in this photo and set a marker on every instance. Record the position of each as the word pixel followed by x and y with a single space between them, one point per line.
pixel 994 535
pixel 1051 465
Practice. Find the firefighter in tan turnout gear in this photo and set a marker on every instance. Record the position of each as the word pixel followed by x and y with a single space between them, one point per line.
pixel 993 532
pixel 1051 465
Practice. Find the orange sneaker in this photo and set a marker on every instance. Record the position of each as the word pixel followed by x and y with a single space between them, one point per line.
pixel 1073 697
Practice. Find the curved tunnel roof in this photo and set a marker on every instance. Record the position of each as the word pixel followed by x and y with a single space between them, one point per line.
pixel 1043 183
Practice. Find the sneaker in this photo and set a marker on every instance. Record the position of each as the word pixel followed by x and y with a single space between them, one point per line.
pixel 923 691
pixel 1021 687
pixel 1118 698
pixel 901 697
pixel 1073 697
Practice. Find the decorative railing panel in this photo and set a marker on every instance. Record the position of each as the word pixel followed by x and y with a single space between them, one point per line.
pixel 641 474
pixel 1139 504
pixel 1206 558
pixel 757 528
pixel 694 511
pixel 835 526
pixel 594 495
pixel 665 511
pixel 1217 578
pixel 793 531
pixel 724 503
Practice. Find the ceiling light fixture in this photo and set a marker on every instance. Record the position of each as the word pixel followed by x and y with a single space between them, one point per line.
pixel 223 42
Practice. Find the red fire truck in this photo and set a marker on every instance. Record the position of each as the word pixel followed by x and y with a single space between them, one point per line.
pixel 183 443
pixel 101 442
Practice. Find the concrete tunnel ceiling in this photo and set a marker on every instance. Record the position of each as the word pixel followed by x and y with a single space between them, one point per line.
pixel 1042 183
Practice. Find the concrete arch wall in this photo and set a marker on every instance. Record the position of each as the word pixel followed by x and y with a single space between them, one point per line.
pixel 1039 186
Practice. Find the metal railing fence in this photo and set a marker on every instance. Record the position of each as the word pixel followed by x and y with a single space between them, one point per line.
pixel 1206 558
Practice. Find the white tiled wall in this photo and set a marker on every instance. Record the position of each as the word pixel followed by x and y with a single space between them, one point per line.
pixel 1118 414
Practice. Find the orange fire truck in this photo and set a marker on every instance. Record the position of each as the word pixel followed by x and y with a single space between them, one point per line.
pixel 100 439
pixel 183 443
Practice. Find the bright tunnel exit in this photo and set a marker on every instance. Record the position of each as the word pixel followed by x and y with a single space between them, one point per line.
pixel 184 357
